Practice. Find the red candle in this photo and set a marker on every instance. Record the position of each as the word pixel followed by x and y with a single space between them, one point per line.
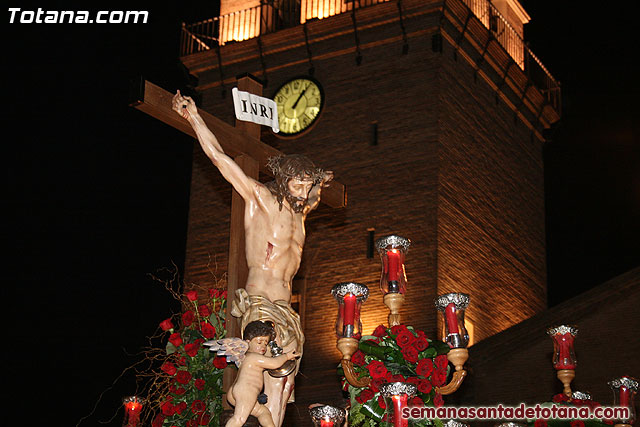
pixel 564 343
pixel 133 410
pixel 326 423
pixel 349 309
pixel 399 403
pixel 393 265
pixel 624 397
pixel 451 318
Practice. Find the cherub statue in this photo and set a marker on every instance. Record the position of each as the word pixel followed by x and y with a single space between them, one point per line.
pixel 249 355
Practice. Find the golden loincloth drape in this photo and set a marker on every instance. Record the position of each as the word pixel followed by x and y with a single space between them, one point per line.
pixel 286 320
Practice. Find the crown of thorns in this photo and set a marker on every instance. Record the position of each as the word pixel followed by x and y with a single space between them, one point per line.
pixel 295 166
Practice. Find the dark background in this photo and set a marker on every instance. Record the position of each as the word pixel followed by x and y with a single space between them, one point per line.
pixel 97 193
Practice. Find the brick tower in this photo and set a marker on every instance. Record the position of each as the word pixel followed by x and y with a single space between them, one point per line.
pixel 433 118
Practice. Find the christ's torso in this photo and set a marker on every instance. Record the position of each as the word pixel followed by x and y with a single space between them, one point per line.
pixel 274 240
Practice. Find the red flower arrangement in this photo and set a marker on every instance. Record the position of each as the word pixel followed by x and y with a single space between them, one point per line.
pixel 188 387
pixel 399 353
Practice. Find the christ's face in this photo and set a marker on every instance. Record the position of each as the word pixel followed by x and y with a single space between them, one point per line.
pixel 298 193
pixel 258 345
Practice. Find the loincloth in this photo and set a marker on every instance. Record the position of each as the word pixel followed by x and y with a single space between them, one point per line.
pixel 285 319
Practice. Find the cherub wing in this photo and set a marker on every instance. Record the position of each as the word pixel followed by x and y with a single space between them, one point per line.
pixel 233 348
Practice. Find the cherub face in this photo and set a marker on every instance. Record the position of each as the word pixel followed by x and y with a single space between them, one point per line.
pixel 258 345
pixel 298 193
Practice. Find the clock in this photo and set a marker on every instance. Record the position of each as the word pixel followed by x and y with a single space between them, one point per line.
pixel 299 102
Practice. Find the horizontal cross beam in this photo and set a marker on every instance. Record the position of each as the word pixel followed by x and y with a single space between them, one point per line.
pixel 156 102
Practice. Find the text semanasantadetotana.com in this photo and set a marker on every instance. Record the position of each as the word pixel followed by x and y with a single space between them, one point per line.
pixel 501 412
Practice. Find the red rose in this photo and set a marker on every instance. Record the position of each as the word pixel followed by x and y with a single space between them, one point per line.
pixel 424 386
pixel 381 403
pixel 380 331
pixel 220 362
pixel 397 378
pixel 199 383
pixel 180 407
pixel 416 401
pixel 169 368
pixel 224 294
pixel 208 330
pixel 439 377
pixel 204 310
pixel 175 339
pixel 441 361
pixel 540 423
pixel 157 421
pixel 203 419
pixel 166 325
pixel 375 384
pixel 395 330
pixel 421 343
pixel 187 318
pixel 181 361
pixel 180 391
pixel 412 380
pixel 561 397
pixel 197 406
pixel 424 367
pixel 214 293
pixel 410 354
pixel 577 423
pixel 438 401
pixel 376 369
pixel 358 358
pixel 610 422
pixel 365 395
pixel 192 349
pixel 183 377
pixel 192 295
pixel 168 409
pixel 405 338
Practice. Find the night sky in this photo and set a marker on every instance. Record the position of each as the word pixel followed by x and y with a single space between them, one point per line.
pixel 97 193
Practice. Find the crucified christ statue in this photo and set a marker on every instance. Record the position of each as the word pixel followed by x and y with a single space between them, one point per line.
pixel 274 216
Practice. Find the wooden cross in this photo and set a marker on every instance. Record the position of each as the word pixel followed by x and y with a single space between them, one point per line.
pixel 241 142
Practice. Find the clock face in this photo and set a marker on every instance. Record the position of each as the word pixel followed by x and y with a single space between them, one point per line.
pixel 299 103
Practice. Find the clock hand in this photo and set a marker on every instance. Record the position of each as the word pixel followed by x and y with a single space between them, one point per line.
pixel 298 100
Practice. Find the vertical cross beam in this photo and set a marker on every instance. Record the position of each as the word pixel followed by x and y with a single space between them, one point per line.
pixel 237 270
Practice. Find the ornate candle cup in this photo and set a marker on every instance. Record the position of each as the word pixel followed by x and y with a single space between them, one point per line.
pixel 624 390
pixel 393 281
pixel 563 354
pixel 564 358
pixel 396 397
pixel 350 297
pixel 454 423
pixel 326 416
pixel 132 410
pixel 392 250
pixel 452 306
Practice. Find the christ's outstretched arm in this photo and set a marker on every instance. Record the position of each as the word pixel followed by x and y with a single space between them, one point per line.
pixel 244 185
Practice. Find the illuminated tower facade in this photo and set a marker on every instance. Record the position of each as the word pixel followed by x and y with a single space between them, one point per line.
pixel 432 114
